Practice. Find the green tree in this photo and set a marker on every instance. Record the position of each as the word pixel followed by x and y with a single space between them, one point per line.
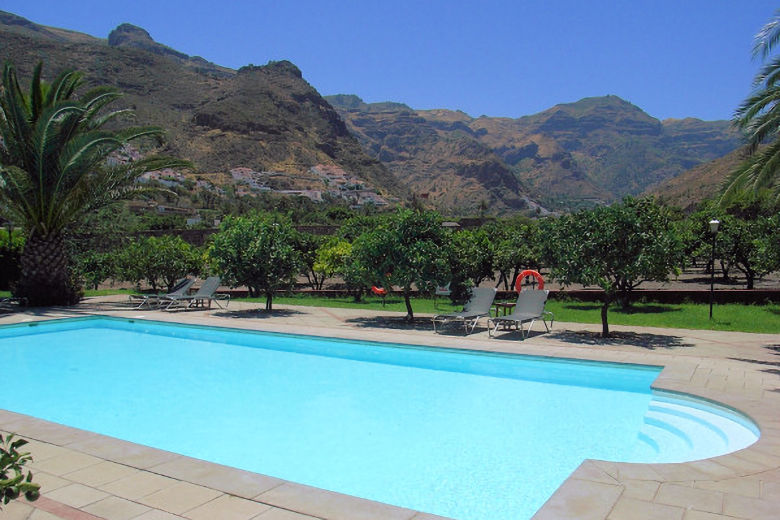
pixel 615 248
pixel 471 261
pixel 95 267
pixel 409 248
pixel 160 261
pixel 257 251
pixel 307 245
pixel 746 239
pixel 516 247
pixel 332 258
pixel 54 148
pixel 759 117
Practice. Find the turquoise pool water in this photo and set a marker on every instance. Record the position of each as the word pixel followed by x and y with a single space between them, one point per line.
pixel 467 435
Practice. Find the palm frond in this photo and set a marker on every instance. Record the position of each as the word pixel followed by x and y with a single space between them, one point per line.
pixel 36 95
pixel 755 174
pixel 63 87
pixel 15 187
pixel 767 38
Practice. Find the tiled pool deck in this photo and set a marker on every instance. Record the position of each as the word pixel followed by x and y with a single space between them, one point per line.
pixel 86 476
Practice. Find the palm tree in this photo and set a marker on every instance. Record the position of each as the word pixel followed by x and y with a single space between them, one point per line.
pixel 56 165
pixel 759 116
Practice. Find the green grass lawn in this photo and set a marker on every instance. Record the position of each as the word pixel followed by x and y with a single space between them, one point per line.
pixel 729 316
pixel 732 316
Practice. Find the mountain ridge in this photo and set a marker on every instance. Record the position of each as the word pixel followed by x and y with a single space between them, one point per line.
pixel 594 149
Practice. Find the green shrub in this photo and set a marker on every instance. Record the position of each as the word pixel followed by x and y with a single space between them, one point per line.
pixel 13 481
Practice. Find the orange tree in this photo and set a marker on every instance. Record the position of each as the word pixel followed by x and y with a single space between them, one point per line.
pixel 407 249
pixel 614 247
pixel 257 251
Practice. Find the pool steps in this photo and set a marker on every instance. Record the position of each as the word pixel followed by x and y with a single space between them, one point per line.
pixel 674 431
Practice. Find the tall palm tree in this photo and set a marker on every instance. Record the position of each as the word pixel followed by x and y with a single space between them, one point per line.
pixel 56 166
pixel 759 116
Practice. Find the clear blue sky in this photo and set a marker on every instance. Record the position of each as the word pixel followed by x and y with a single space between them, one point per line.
pixel 672 58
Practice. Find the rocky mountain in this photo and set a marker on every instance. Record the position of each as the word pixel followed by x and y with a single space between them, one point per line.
pixel 263 118
pixel 700 182
pixel 597 149
pixel 440 159
pixel 269 119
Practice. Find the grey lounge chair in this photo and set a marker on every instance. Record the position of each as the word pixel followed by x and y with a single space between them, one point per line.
pixel 477 307
pixel 529 308
pixel 206 293
pixel 147 300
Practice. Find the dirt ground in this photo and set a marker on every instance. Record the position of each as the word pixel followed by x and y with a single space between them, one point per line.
pixel 690 279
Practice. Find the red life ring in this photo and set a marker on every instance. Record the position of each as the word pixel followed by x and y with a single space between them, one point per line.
pixel 379 291
pixel 528 272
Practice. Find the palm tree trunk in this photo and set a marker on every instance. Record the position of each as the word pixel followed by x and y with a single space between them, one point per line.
pixel 44 276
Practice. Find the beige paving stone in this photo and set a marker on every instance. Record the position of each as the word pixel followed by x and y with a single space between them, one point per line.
pixel 16 510
pixel 282 514
pixel 752 508
pixel 76 495
pixel 640 489
pixel 428 516
pixel 631 509
pixel 49 482
pixel 692 498
pixel 638 472
pixel 101 473
pixel 65 463
pixel 740 465
pixel 120 451
pixel 770 490
pixel 138 485
pixel 581 499
pixel 330 505
pixel 41 451
pixel 229 480
pixel 701 515
pixel 181 497
pixel 156 514
pixel 745 486
pixel 115 508
pixel 679 472
pixel 227 507
pixel 712 469
pixel 590 471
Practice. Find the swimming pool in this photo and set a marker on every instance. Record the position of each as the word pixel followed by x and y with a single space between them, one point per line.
pixel 461 434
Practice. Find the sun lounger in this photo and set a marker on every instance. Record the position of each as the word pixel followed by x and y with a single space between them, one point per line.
pixel 529 308
pixel 149 300
pixel 477 307
pixel 206 293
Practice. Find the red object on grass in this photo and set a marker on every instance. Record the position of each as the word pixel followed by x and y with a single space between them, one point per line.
pixel 379 291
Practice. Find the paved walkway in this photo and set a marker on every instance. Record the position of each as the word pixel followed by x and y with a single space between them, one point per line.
pixel 89 476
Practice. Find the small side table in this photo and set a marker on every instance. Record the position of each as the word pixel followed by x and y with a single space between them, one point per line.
pixel 505 307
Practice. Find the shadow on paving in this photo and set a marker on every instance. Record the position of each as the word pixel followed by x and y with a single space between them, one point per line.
pixel 258 313
pixel 399 323
pixel 775 350
pixel 633 339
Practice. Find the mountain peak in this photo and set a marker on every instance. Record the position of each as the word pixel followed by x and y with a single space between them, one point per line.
pixel 353 102
pixel 129 35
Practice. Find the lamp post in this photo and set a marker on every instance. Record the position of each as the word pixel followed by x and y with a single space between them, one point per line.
pixel 714 224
